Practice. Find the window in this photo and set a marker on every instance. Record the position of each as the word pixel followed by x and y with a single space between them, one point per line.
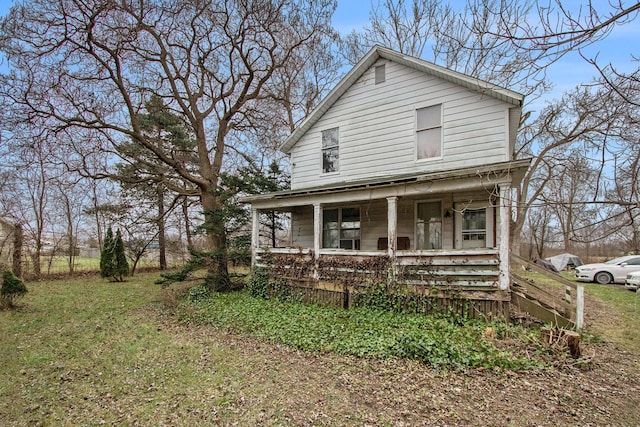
pixel 330 150
pixel 380 74
pixel 429 225
pixel 341 228
pixel 429 132
pixel 474 225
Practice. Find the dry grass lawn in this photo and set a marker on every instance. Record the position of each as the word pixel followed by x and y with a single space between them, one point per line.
pixel 88 352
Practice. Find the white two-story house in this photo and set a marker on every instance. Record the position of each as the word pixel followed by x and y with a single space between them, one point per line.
pixel 407 162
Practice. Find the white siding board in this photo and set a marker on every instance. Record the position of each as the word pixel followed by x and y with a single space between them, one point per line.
pixel 302 227
pixel 377 129
pixel 406 217
pixel 373 221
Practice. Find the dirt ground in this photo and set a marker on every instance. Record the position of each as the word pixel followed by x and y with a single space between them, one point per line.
pixel 292 387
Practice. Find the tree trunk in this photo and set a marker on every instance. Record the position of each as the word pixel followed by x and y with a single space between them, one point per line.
pixel 35 258
pixel 187 227
pixel 162 244
pixel 17 250
pixel 71 246
pixel 216 251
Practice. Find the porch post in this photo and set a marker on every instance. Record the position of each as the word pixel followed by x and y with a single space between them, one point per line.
pixel 317 229
pixel 505 238
pixel 255 234
pixel 392 226
pixel 317 236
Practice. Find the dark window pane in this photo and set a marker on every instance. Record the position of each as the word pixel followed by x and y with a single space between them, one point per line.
pixel 330 160
pixel 330 138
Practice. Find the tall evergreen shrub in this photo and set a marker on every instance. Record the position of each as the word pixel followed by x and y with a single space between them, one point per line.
pixel 107 259
pixel 121 264
pixel 113 260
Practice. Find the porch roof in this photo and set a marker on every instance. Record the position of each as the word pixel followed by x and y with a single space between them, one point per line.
pixel 510 173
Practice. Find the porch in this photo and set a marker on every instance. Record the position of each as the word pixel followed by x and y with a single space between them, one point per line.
pixel 442 238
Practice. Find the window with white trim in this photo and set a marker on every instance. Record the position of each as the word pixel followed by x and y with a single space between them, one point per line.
pixel 330 152
pixel 429 132
pixel 341 228
pixel 474 225
pixel 429 225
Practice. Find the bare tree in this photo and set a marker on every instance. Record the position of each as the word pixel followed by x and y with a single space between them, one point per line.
pixel 70 200
pixel 589 118
pixel 92 65
pixel 559 29
pixel 26 189
pixel 539 228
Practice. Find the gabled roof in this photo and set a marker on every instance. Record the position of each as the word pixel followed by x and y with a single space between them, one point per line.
pixel 369 59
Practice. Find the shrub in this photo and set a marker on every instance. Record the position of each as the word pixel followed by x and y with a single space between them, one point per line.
pixel 107 261
pixel 121 264
pixel 258 283
pixel 12 287
pixel 113 261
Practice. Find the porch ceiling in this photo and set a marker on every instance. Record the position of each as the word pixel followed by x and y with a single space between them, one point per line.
pixel 462 179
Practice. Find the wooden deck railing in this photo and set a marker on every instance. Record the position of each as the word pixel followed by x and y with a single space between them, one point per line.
pixel 570 304
pixel 471 268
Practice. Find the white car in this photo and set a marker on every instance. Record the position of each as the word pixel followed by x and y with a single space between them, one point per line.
pixel 613 271
pixel 633 281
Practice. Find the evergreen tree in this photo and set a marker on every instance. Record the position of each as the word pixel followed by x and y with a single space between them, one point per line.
pixel 144 176
pixel 12 287
pixel 121 265
pixel 107 258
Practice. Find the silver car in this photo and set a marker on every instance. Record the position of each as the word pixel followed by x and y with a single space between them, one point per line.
pixel 633 281
pixel 613 271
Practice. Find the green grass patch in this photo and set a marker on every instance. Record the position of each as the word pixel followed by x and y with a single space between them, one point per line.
pixel 612 312
pixel 87 352
pixel 440 341
pixel 621 324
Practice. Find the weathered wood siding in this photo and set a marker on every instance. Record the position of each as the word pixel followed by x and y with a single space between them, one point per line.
pixel 427 281
pixel 377 129
pixel 302 227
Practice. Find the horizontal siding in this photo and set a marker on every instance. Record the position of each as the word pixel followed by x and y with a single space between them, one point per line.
pixel 377 129
pixel 373 222
pixel 302 227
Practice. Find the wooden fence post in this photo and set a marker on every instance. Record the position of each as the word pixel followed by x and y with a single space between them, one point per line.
pixel 579 307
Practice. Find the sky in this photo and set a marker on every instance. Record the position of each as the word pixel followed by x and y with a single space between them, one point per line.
pixel 566 74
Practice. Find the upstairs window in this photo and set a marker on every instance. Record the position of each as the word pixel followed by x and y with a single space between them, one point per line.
pixel 330 153
pixel 341 228
pixel 429 132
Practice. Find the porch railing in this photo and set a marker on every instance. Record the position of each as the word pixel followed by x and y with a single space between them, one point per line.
pixel 569 302
pixel 453 268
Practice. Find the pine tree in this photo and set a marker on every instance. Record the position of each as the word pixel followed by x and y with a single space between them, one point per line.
pixel 121 265
pixel 107 258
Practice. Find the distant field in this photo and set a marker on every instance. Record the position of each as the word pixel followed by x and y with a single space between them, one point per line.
pixel 60 264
